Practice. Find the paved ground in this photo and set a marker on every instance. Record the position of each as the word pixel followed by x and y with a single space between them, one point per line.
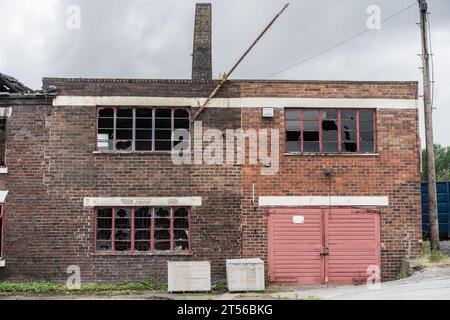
pixel 430 284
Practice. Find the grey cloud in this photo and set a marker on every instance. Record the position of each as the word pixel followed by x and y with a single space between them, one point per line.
pixel 152 39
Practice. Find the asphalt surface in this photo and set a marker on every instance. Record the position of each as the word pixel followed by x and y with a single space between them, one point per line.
pixel 432 284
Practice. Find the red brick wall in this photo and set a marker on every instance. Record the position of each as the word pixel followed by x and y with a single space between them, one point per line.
pixel 52 167
pixel 235 88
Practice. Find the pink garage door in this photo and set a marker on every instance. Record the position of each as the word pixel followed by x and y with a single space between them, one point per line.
pixel 318 246
pixel 295 245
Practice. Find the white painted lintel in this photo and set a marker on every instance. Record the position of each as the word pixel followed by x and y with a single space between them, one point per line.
pixel 144 201
pixel 323 201
pixel 260 102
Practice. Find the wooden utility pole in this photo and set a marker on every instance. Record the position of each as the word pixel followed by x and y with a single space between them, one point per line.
pixel 432 200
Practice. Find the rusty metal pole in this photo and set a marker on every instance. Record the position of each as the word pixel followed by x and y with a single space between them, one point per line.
pixel 428 108
pixel 228 74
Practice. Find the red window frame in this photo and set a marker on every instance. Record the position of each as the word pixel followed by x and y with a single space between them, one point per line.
pixel 152 231
pixel 2 237
pixel 153 149
pixel 339 110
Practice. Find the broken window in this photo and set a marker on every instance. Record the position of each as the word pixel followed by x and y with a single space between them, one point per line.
pixel 349 131
pixel 139 129
pixel 122 229
pixel 330 131
pixel 162 229
pixel 144 129
pixel 104 229
pixel 180 229
pixel 1 231
pixel 163 129
pixel 366 131
pixel 293 131
pixel 142 229
pixel 105 125
pixel 181 121
pixel 2 141
pixel 311 131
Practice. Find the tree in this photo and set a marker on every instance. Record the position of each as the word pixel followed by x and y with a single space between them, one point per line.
pixel 442 155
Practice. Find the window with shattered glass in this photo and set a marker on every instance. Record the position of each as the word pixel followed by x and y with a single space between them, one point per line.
pixel 139 129
pixel 142 229
pixel 330 131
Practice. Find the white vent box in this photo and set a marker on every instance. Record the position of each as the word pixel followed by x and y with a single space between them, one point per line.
pixel 189 276
pixel 2 263
pixel 267 112
pixel 245 275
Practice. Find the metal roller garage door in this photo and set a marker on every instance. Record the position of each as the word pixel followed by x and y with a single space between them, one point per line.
pixel 319 246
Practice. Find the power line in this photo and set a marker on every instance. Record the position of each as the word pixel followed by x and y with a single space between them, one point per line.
pixel 341 42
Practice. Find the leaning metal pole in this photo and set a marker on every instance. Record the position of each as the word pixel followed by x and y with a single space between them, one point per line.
pixel 227 75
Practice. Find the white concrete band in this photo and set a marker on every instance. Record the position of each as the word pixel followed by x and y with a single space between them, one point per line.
pixel 5 112
pixel 322 201
pixel 148 201
pixel 263 102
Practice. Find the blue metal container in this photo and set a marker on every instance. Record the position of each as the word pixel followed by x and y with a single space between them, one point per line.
pixel 443 199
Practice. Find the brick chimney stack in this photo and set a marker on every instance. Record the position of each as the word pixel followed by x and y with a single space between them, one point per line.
pixel 202 54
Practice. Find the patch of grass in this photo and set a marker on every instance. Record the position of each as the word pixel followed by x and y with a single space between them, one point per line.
pixel 34 287
pixel 433 259
pixel 48 287
pixel 312 297
pixel 296 297
pixel 400 275
pixel 219 287
pixel 283 298
pixel 438 257
pixel 426 247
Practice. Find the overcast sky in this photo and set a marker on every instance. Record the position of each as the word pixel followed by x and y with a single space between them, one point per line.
pixel 153 39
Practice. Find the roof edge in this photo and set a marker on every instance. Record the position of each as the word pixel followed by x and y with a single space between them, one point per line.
pixel 188 81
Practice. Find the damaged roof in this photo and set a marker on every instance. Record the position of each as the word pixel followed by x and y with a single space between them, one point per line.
pixel 10 84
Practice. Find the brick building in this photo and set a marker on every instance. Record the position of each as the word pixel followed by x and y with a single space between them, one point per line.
pixel 89 179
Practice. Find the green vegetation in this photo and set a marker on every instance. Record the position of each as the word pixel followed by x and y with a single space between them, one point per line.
pixel 219 287
pixel 311 297
pixel 48 287
pixel 442 156
pixel 433 259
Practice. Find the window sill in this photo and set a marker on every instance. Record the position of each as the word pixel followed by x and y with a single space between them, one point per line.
pixel 3 170
pixel 332 154
pixel 2 263
pixel 142 254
